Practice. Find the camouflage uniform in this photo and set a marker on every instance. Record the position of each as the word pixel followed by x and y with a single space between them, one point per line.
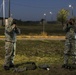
pixel 70 44
pixel 10 42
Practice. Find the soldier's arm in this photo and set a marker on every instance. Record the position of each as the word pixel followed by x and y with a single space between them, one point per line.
pixel 10 28
pixel 17 30
pixel 64 27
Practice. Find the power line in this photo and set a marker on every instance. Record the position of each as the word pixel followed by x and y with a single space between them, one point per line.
pixel 9 8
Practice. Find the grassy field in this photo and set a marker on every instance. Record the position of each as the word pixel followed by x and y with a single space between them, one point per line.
pixel 41 52
pixel 37 29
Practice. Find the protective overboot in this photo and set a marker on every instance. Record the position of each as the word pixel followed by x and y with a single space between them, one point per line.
pixel 68 67
pixel 73 66
pixel 6 67
pixel 64 65
pixel 11 65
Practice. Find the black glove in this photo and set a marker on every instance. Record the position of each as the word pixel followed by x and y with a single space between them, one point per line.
pixel 17 30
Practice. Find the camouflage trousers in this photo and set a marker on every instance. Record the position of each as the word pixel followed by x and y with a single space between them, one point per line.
pixel 10 48
pixel 70 50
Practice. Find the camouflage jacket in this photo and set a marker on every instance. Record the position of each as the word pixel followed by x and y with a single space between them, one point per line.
pixel 70 31
pixel 10 34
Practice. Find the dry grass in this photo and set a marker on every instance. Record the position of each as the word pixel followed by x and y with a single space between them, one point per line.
pixel 40 52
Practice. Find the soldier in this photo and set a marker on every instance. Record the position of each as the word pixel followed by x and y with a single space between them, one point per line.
pixel 70 43
pixel 10 43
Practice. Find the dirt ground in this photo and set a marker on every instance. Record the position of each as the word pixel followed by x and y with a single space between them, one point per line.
pixel 24 37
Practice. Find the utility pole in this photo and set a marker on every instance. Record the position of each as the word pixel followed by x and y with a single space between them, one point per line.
pixel 3 12
pixel 9 9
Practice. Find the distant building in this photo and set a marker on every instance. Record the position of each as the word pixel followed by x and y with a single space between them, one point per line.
pixel 1 21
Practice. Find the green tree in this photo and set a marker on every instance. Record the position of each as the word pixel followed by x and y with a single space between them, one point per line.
pixel 62 16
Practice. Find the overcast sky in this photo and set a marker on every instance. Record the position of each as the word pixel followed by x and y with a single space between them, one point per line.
pixel 35 9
